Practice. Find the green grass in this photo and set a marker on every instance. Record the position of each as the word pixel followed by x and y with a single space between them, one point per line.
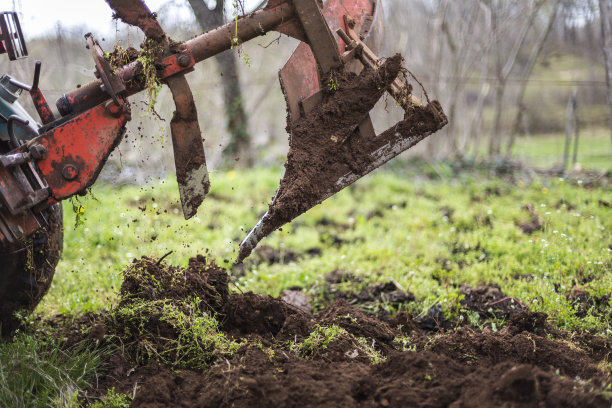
pixel 544 151
pixel 392 226
pixel 35 372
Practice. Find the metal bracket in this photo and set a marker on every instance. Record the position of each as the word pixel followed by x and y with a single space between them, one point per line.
pixel 11 36
pixel 113 85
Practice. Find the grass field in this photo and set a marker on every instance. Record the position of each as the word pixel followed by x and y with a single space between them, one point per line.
pixel 544 151
pixel 426 229
pixel 429 236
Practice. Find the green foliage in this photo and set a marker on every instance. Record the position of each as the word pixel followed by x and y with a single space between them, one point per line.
pixel 367 348
pixel 178 333
pixel 332 85
pixel 320 339
pixel 35 372
pixel 323 336
pixel 113 399
pixel 147 58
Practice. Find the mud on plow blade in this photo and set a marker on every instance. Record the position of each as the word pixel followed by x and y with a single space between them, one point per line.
pixel 331 82
pixel 332 142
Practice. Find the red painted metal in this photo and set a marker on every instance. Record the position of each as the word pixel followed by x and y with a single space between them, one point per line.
pixel 172 66
pixel 42 107
pixel 78 149
pixel 300 76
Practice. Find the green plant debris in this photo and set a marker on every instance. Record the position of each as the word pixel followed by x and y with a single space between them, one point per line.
pixel 178 333
pixel 113 399
pixel 320 339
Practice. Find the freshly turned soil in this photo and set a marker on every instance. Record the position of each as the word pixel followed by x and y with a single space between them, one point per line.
pixel 528 363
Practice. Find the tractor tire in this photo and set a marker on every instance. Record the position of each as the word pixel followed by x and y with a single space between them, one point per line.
pixel 26 272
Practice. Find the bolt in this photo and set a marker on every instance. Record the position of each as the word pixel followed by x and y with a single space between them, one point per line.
pixel 70 172
pixel 38 152
pixel 113 109
pixel 184 60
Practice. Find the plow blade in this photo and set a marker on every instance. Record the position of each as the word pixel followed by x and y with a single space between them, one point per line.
pixel 189 157
pixel 327 153
pixel 332 141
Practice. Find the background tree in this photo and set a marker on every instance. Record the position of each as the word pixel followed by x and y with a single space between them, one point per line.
pixel 238 146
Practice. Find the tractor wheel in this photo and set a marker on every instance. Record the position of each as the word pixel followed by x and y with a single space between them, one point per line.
pixel 26 272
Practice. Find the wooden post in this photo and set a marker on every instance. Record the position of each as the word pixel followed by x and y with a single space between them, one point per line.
pixel 576 133
pixel 569 126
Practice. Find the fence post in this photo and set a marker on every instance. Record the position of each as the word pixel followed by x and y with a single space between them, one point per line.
pixel 576 132
pixel 569 126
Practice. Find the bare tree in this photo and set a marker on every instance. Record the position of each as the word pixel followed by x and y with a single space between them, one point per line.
pixel 504 17
pixel 237 120
pixel 526 74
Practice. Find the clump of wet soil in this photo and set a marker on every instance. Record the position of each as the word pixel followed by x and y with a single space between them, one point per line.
pixel 149 279
pixel 489 301
pixel 532 224
pixel 342 356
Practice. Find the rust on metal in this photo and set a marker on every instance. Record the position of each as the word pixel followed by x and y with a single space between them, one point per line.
pixel 42 107
pixel 84 142
pixel 189 156
pixel 136 13
pixel 300 77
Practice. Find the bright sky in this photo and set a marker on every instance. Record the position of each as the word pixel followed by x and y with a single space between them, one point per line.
pixel 39 16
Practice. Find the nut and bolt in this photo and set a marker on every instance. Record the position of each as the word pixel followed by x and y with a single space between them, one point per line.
pixel 70 172
pixel 184 60
pixel 38 152
pixel 113 109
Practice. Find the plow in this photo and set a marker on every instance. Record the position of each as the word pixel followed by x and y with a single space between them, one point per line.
pixel 332 81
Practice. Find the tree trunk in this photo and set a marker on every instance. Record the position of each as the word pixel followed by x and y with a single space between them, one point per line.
pixel 533 57
pixel 569 127
pixel 237 120
pixel 605 11
pixel 496 131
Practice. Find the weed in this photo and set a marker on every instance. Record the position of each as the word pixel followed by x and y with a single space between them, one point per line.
pixel 176 332
pixel 332 84
pixel 370 351
pixel 113 399
pixel 406 343
pixel 147 59
pixel 320 339
pixel 405 244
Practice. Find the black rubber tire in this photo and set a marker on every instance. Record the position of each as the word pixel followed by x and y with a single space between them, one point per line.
pixel 26 273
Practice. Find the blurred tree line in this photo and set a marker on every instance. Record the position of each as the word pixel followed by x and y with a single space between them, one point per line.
pixel 502 69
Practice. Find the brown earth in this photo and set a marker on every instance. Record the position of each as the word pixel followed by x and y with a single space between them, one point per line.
pixel 371 363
